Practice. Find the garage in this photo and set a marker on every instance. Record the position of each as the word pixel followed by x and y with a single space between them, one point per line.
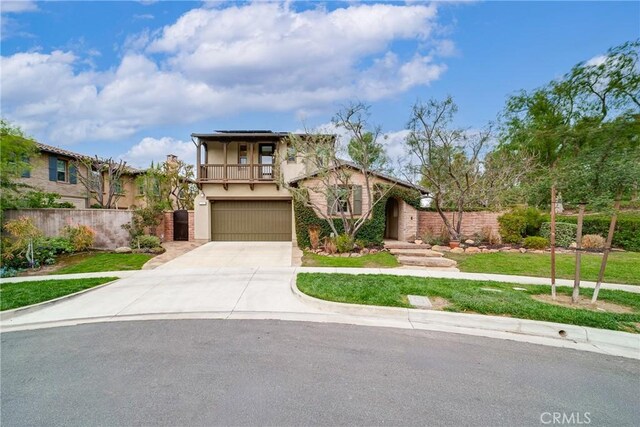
pixel 251 220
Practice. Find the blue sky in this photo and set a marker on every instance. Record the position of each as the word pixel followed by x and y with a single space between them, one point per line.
pixel 134 79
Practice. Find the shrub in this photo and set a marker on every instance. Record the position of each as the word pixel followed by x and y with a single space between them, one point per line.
pixel 431 238
pixel 565 233
pixel 8 271
pixel 314 236
pixel 535 242
pixel 593 241
pixel 18 251
pixel 627 232
pixel 512 227
pixel 520 222
pixel 330 245
pixel 344 243
pixel 80 236
pixel 146 241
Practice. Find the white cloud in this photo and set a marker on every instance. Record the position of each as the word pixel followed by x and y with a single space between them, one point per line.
pixel 18 6
pixel 156 150
pixel 211 63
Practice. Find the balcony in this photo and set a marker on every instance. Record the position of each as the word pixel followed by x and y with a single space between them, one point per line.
pixel 241 174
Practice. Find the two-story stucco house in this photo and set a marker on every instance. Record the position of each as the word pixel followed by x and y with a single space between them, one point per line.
pixel 241 198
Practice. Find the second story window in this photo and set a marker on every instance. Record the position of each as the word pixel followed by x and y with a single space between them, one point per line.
pixel 243 159
pixel 291 154
pixel 62 170
pixel 117 186
pixel 94 182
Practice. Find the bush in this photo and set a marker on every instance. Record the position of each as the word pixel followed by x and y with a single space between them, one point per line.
pixel 535 242
pixel 8 272
pixel 593 241
pixel 146 241
pixel 627 232
pixel 520 222
pixel 81 237
pixel 565 233
pixel 344 243
pixel 330 245
pixel 512 227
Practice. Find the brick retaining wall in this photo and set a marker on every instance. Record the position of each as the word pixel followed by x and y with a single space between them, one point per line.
pixel 472 222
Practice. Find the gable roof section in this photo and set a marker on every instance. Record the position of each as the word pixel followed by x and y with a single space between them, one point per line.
pixel 343 163
pixel 77 156
pixel 55 150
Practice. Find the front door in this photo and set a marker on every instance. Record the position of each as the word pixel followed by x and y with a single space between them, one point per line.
pixel 266 157
pixel 391 216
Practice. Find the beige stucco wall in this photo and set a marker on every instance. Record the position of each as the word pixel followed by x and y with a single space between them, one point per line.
pixel 107 223
pixel 215 155
pixel 202 208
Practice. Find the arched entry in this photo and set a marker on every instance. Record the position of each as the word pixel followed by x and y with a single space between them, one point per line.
pixel 392 213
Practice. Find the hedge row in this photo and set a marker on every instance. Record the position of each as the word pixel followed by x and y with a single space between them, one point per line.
pixel 372 232
pixel 627 233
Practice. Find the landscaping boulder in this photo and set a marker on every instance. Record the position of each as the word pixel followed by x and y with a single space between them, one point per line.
pixel 472 250
pixel 457 251
pixel 523 250
pixel 123 250
pixel 470 242
pixel 439 248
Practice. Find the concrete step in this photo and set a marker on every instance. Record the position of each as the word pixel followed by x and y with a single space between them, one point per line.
pixel 415 252
pixel 402 245
pixel 426 261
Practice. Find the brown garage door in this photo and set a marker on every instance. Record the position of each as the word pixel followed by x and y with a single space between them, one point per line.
pixel 251 220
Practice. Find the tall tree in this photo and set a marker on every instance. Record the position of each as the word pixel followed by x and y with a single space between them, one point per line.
pixel 576 117
pixel 333 191
pixel 102 178
pixel 455 164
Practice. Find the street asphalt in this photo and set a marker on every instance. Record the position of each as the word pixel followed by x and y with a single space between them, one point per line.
pixel 257 372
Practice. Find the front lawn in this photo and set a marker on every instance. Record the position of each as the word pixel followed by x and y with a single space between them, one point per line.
pixel 468 296
pixel 101 261
pixel 377 260
pixel 622 267
pixel 20 294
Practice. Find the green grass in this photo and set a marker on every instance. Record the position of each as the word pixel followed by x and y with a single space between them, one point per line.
pixel 377 260
pixel 467 296
pixel 20 294
pixel 97 262
pixel 622 267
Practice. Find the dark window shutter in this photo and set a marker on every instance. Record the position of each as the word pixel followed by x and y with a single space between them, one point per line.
pixel 331 200
pixel 357 200
pixel 73 174
pixel 53 168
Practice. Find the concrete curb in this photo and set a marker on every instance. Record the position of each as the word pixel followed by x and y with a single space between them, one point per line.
pixel 10 314
pixel 604 341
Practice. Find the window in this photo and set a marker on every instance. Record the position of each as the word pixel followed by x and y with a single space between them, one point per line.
pixel 344 198
pixel 95 181
pixel 62 170
pixel 117 186
pixel 243 159
pixel 291 154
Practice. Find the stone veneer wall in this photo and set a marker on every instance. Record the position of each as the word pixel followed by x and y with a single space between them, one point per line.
pixel 472 222
pixel 107 223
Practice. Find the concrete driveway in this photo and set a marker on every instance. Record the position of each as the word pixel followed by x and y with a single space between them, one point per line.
pixel 234 254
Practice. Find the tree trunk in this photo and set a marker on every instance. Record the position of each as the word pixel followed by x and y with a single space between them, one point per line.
pixel 607 249
pixel 552 241
pixel 575 296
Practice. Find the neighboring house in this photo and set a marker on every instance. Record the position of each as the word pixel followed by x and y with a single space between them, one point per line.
pixel 240 197
pixel 53 170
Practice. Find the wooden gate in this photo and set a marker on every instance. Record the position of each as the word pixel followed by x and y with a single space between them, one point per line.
pixel 181 225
